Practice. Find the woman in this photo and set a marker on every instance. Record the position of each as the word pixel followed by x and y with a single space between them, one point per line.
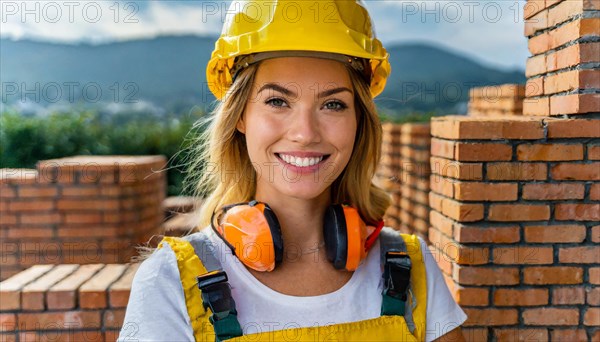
pixel 295 133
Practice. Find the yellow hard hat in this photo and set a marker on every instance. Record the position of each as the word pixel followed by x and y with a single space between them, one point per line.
pixel 341 27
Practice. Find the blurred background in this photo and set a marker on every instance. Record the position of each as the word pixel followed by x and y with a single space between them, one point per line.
pixel 128 77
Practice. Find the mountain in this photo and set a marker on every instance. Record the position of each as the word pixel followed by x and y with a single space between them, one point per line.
pixel 168 72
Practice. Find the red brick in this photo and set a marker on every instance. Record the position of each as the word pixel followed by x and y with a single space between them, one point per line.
pixel 593 296
pixel 483 152
pixel 593 152
pixel 32 205
pixel 474 191
pixel 490 317
pixel 578 212
pixel 538 106
pixel 551 316
pixel 516 171
pixel 532 7
pixel 8 219
pixel 114 318
pixel 462 212
pixel 574 104
pixel 80 191
pixel 469 234
pixel 441 222
pixel 564 11
pixel 76 218
pixel 442 186
pixel 549 152
pixel 571 80
pixel 573 128
pixel 595 235
pixel 594 275
pixel 518 212
pixel 540 43
pixel 37 191
pixel 471 296
pixel 119 291
pixel 569 335
pixel 579 255
pixel 572 31
pixel 536 23
pixel 574 171
pixel 8 322
pixel 523 255
pixel 454 169
pixel 477 275
pixel 38 218
pixel 93 294
pixel 64 335
pixel 442 148
pixel 542 275
pixel 520 297
pixel 79 204
pixel 535 86
pixel 7 191
pixel 592 317
pixel 535 65
pixel 61 320
pixel 458 253
pixel 568 295
pixel 573 55
pixel 510 335
pixel 553 191
pixel 555 233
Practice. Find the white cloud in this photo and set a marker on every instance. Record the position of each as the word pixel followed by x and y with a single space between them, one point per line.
pixel 476 31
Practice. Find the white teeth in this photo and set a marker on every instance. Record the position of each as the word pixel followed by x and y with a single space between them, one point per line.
pixel 300 162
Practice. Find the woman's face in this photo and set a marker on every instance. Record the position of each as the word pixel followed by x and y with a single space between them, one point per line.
pixel 300 124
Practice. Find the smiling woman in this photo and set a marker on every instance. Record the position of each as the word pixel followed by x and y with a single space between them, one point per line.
pixel 296 133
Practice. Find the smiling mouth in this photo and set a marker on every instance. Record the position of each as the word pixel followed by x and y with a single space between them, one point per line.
pixel 300 161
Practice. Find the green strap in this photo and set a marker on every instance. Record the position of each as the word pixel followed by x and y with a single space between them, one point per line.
pixel 227 327
pixel 392 306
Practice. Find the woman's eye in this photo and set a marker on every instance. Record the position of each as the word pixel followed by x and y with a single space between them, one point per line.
pixel 335 105
pixel 276 102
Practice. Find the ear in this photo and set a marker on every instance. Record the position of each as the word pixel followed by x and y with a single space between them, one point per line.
pixel 241 125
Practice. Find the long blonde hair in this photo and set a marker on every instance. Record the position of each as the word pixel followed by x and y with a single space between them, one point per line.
pixel 229 177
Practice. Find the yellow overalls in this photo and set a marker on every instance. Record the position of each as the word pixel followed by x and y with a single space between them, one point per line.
pixel 384 328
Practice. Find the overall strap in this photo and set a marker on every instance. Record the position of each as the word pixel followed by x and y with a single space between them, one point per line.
pixel 405 283
pixel 215 289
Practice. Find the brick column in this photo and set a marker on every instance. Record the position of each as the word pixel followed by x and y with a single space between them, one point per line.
pixel 387 175
pixel 79 210
pixel 415 142
pixel 563 75
pixel 516 199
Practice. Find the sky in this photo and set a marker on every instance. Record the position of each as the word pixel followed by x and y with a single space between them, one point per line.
pixel 488 31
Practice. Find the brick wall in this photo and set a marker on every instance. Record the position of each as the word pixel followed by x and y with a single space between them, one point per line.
pixel 404 173
pixel 79 210
pixel 497 100
pixel 65 302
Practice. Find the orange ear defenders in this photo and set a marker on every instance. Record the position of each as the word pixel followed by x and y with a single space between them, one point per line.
pixel 253 233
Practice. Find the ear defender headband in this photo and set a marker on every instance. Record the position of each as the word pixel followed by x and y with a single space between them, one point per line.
pixel 253 233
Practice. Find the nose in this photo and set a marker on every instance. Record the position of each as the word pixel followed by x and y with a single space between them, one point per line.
pixel 304 127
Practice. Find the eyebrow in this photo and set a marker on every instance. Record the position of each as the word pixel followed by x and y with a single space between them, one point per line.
pixel 288 92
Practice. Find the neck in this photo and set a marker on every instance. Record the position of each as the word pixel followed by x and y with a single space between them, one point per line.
pixel 301 220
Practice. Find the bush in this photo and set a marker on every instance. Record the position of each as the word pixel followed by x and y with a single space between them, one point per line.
pixel 24 140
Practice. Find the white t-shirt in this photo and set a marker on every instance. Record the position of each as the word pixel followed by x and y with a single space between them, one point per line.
pixel 157 310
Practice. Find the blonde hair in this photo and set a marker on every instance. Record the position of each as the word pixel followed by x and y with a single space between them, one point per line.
pixel 229 177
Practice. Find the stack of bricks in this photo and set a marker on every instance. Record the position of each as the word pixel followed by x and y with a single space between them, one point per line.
pixel 516 199
pixel 65 302
pixel 497 100
pixel 388 172
pixel 563 75
pixel 79 210
pixel 415 140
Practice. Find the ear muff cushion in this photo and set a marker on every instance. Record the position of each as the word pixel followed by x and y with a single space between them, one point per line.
pixel 336 239
pixel 275 234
